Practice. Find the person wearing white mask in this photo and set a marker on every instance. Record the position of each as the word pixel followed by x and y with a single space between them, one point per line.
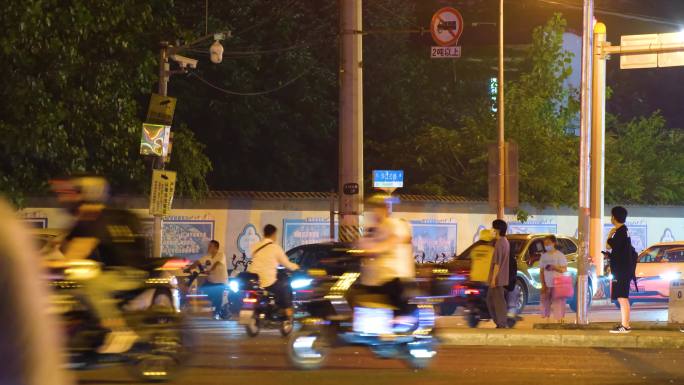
pixel 552 264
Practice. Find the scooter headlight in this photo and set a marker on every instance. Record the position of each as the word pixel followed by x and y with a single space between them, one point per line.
pixel 234 286
pixel 301 283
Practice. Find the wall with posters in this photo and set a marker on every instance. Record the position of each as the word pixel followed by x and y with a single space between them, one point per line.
pixel 440 227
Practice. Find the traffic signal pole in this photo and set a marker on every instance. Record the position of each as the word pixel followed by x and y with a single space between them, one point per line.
pixel 584 164
pixel 598 132
pixel 350 119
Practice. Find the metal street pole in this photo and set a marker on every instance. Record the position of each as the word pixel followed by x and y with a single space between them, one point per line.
pixel 158 162
pixel 500 205
pixel 598 130
pixel 584 164
pixel 351 119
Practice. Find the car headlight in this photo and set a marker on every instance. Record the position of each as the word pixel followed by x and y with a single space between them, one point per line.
pixel 234 286
pixel 670 275
pixel 301 283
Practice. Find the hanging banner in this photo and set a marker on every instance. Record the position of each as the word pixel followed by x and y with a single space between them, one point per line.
pixel 161 193
pixel 155 139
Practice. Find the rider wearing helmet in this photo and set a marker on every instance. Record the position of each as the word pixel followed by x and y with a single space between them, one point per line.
pixel 389 258
pixel 110 237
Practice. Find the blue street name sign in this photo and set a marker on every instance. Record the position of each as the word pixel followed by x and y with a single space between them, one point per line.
pixel 388 178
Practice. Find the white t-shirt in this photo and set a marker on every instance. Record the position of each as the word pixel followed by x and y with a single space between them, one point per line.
pixel 554 257
pixel 397 262
pixel 217 267
pixel 266 256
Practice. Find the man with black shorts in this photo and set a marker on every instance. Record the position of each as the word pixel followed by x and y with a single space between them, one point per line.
pixel 621 265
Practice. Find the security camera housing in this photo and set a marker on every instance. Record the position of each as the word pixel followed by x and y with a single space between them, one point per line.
pixel 184 62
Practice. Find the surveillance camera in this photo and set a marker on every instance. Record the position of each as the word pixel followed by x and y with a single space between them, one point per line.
pixel 184 62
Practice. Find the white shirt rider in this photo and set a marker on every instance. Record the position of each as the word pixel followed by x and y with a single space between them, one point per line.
pixel 266 257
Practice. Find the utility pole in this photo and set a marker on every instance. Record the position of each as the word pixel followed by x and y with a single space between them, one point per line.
pixel 501 198
pixel 351 119
pixel 158 162
pixel 584 164
pixel 598 132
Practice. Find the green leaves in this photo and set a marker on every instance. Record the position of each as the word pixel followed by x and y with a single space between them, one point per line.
pixel 75 91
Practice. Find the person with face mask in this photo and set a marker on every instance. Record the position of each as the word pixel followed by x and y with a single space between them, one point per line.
pixel 552 265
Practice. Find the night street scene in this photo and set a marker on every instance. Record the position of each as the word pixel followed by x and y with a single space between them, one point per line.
pixel 327 192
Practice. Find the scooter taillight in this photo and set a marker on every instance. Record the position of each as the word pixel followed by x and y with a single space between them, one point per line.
pixel 250 299
pixel 472 292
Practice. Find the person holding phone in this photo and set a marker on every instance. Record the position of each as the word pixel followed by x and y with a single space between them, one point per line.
pixel 552 265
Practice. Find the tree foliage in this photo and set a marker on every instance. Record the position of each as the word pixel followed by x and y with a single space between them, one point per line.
pixel 77 76
pixel 453 158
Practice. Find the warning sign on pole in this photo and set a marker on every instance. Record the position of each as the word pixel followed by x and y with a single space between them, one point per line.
pixel 161 193
pixel 446 28
pixel 161 110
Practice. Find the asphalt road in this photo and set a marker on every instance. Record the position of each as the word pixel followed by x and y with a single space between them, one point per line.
pixel 225 355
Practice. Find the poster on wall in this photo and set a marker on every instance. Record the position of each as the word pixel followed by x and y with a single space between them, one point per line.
pixel 36 223
pixel 298 232
pixel 637 231
pixel 434 241
pixel 184 238
pixel 532 228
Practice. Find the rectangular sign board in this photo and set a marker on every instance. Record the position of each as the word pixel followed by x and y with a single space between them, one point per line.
pixel 653 42
pixel 161 193
pixel 155 139
pixel 161 109
pixel 445 52
pixel 388 178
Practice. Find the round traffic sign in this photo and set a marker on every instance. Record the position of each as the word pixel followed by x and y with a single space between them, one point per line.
pixel 446 26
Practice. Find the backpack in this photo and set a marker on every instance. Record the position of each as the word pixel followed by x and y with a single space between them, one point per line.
pixel 512 272
pixel 633 259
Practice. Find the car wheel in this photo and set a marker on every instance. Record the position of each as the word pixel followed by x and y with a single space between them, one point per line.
pixel 523 294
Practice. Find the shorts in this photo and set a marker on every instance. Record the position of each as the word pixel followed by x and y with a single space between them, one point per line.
pixel 620 288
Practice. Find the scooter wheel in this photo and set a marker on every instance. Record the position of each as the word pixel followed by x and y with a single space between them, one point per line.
pixel 419 355
pixel 253 327
pixel 472 319
pixel 286 327
pixel 308 349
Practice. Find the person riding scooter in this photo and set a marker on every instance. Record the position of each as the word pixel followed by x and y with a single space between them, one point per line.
pixel 110 237
pixel 267 255
pixel 388 256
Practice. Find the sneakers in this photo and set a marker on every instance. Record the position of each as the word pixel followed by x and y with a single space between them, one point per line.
pixel 619 329
pixel 118 341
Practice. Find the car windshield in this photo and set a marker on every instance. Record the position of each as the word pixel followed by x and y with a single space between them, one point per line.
pixel 662 254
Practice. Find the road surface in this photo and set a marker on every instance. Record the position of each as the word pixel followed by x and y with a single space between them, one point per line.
pixel 226 356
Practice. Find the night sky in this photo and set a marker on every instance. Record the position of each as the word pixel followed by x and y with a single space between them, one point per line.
pixel 635 92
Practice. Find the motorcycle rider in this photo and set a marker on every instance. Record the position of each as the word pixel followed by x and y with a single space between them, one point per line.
pixel 112 238
pixel 389 262
pixel 267 255
pixel 214 264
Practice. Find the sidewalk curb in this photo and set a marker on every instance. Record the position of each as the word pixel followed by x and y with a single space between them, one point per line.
pixel 564 338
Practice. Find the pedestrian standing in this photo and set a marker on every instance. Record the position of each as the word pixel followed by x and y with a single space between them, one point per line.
pixel 622 264
pixel 498 277
pixel 552 266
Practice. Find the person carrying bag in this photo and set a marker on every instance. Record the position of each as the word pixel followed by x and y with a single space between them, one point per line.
pixel 556 285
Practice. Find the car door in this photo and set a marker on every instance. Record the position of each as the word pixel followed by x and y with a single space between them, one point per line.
pixel 657 266
pixel 532 257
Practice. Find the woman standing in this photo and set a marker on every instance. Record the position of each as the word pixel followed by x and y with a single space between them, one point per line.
pixel 552 266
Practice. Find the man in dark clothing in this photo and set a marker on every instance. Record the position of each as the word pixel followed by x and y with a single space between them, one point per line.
pixel 621 265
pixel 498 277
